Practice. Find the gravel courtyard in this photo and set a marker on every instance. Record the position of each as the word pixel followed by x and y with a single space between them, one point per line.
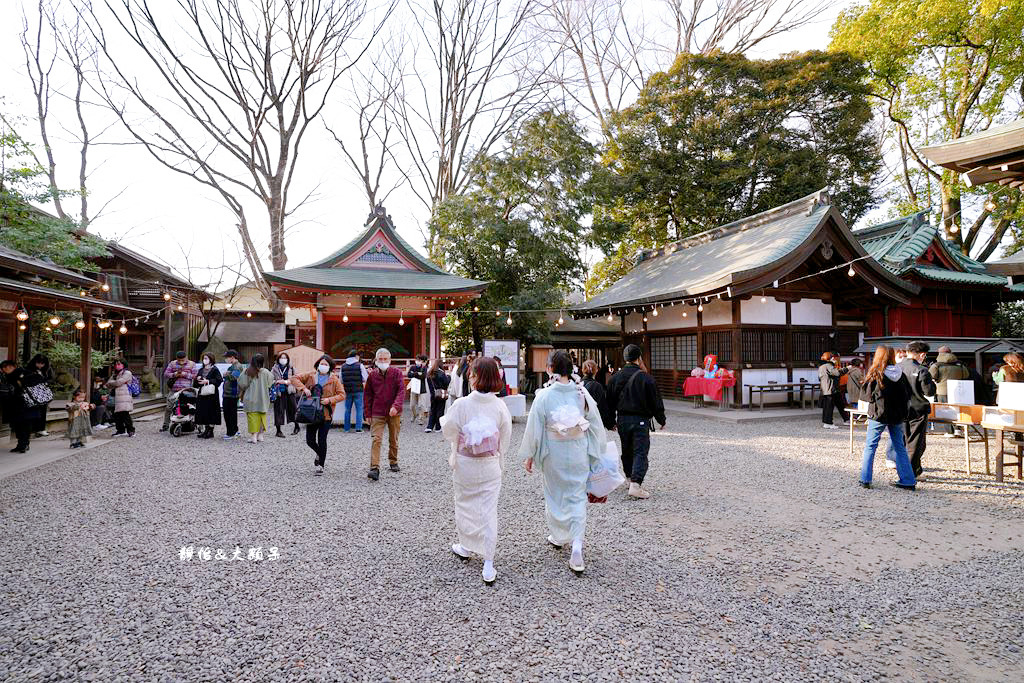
pixel 757 557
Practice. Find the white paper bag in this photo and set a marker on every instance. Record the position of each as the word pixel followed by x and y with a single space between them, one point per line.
pixel 415 385
pixel 1011 395
pixel 960 392
pixel 863 406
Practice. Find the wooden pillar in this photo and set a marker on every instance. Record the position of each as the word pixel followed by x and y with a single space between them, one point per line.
pixel 320 331
pixel 26 341
pixel 435 336
pixel 168 319
pixel 149 350
pixel 86 343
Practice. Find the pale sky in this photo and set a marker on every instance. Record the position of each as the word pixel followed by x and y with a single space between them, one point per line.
pixel 161 213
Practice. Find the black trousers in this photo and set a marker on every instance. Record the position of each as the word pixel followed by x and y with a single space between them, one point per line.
pixel 916 429
pixel 830 402
pixel 99 415
pixel 22 429
pixel 230 405
pixel 316 438
pixel 635 437
pixel 39 421
pixel 436 411
pixel 123 423
pixel 284 409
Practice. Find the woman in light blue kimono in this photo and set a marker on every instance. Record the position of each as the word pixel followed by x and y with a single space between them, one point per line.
pixel 564 435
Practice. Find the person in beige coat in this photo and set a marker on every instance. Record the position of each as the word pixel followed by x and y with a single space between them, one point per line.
pixel 120 376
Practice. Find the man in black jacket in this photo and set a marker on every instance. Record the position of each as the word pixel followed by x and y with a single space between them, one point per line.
pixel 634 397
pixel 922 385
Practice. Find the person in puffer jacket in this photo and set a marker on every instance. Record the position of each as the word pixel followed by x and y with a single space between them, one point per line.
pixel 945 368
pixel 831 393
pixel 887 391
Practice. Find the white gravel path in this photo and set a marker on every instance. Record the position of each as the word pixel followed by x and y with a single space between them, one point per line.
pixel 757 558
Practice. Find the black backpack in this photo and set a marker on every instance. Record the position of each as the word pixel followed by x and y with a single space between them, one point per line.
pixel 310 411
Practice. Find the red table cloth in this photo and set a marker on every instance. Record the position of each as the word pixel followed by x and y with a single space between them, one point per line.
pixel 701 386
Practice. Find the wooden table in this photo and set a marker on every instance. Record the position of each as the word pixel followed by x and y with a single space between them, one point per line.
pixel 1001 451
pixel 698 387
pixel 788 387
pixel 980 436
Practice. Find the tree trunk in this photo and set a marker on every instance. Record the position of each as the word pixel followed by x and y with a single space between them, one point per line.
pixel 477 334
pixel 951 218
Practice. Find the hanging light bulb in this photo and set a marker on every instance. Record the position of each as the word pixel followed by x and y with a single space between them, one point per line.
pixel 48 329
pixel 700 308
pixel 349 304
pixel 105 287
pixel 954 229
pixel 123 329
pixel 344 318
pixel 227 305
pixel 851 272
pixel 22 315
pixel 248 314
pixel 610 318
pixel 21 327
pixel 401 319
pixel 424 307
pixel 764 299
pixel 684 314
pixel 428 320
pixel 645 318
pixel 508 320
pixel 452 302
pixel 55 321
pixel 287 308
pixel 476 309
pixel 167 297
pixel 79 324
pixel 81 292
pixel 654 312
pixel 561 321
pixel 180 307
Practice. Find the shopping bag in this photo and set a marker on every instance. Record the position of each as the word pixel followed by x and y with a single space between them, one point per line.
pixel 606 473
pixel 37 395
pixel 416 385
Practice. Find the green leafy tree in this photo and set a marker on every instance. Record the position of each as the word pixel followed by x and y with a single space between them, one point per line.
pixel 521 227
pixel 23 184
pixel 941 70
pixel 716 138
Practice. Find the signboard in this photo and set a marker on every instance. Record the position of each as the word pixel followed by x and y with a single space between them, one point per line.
pixel 507 351
pixel 378 301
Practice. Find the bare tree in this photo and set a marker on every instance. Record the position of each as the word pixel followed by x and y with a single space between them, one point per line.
pixel 482 80
pixel 54 43
pixel 371 100
pixel 229 90
pixel 735 26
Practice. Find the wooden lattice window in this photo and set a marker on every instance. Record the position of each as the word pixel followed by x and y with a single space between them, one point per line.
pixel 720 344
pixel 809 346
pixel 763 346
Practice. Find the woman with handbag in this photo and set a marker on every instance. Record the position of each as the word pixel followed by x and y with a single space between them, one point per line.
pixel 564 435
pixel 207 381
pixel 16 413
pixel 286 398
pixel 38 372
pixel 479 428
pixel 120 377
pixel 437 386
pixel 325 385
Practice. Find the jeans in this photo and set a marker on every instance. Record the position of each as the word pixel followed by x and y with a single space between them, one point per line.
pixel 351 400
pixel 635 437
pixel 316 438
pixel 915 429
pixel 903 468
pixel 436 411
pixel 230 404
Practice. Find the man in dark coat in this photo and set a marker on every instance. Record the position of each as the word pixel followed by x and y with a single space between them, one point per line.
pixel 921 387
pixel 634 398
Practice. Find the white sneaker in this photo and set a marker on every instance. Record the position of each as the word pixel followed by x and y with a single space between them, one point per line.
pixel 41 434
pixel 636 491
pixel 489 573
pixel 890 464
pixel 827 426
pixel 576 561
pixel 460 551
pixel 551 540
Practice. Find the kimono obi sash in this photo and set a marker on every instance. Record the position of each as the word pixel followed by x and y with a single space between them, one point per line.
pixel 567 423
pixel 479 438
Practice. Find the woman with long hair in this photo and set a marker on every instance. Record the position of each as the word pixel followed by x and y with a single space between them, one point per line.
pixel 120 378
pixel 1012 370
pixel 437 387
pixel 254 384
pixel 888 393
pixel 479 428
pixel 564 435
pixel 38 371
pixel 331 391
pixel 208 380
pixel 597 391
pixel 284 404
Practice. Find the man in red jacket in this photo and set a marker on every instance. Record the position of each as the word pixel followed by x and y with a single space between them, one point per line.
pixel 383 396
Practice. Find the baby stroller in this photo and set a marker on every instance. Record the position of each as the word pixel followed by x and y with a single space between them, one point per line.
pixel 183 420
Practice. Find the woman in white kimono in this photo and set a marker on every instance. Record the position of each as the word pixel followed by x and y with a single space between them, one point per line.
pixel 564 435
pixel 480 428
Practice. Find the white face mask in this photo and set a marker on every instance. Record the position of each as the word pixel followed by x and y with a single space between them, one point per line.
pixel 283 362
pixel 383 365
pixel 323 368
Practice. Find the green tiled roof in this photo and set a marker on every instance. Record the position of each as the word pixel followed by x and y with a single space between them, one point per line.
pixel 379 219
pixel 946 275
pixel 373 280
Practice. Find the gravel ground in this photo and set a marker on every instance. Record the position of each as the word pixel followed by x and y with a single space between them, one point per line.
pixel 757 557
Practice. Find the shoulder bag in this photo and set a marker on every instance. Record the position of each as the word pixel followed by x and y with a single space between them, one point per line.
pixel 310 410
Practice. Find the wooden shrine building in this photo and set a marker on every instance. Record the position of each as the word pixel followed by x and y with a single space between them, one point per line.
pixel 767 294
pixel 376 291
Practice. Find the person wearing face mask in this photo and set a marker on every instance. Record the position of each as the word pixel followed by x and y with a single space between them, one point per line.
pixel 229 394
pixel 207 381
pixel 383 396
pixel 284 404
pixel 120 376
pixel 331 392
